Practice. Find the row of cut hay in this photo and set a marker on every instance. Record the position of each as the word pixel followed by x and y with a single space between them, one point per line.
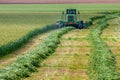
pixel 111 12
pixel 90 22
pixel 12 46
pixel 102 64
pixel 97 17
pixel 28 63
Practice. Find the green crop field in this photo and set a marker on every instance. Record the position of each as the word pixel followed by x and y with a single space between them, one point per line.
pixel 15 25
pixel 56 7
pixel 86 54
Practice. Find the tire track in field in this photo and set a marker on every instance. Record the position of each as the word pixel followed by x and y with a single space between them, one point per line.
pixel 111 36
pixel 69 62
pixel 8 59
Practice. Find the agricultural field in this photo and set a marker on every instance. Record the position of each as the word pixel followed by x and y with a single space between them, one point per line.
pixel 24 18
pixel 70 60
pixel 32 48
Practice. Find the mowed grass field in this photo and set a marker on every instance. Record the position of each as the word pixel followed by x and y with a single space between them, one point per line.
pixel 16 20
pixel 72 58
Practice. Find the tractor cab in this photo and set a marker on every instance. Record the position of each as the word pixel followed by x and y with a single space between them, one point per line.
pixel 70 18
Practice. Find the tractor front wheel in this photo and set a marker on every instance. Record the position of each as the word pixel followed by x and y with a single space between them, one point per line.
pixel 59 24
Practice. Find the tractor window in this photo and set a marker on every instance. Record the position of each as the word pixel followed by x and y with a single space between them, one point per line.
pixel 71 11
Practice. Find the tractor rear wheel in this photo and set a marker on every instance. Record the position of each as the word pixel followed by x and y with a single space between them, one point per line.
pixel 81 25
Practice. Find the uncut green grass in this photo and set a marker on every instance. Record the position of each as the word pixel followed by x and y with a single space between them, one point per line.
pixel 56 7
pixel 14 26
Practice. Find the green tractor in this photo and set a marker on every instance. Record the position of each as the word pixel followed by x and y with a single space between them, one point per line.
pixel 70 18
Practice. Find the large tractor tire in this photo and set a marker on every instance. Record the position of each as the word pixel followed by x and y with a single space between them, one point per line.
pixel 81 25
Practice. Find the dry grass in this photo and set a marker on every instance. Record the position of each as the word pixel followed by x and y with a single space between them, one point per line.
pixel 47 73
pixel 74 43
pixel 72 50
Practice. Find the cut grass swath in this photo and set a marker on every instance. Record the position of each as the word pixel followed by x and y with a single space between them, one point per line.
pixel 102 60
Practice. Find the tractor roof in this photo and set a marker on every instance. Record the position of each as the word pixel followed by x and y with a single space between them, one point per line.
pixel 70 11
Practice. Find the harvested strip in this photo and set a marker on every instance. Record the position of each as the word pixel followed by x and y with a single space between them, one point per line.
pixel 117 30
pixel 116 48
pixel 5 61
pixel 69 62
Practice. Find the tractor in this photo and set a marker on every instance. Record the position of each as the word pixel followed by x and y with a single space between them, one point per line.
pixel 70 18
